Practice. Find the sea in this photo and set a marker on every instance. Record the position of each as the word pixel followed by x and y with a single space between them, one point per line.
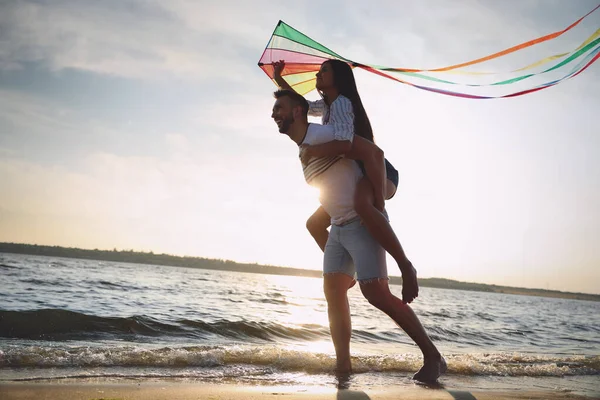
pixel 73 319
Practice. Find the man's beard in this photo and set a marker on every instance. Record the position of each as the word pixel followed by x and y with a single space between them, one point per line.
pixel 286 123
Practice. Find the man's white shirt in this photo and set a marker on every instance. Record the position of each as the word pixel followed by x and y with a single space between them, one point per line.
pixel 337 183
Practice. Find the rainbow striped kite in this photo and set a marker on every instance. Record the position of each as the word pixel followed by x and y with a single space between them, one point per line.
pixel 303 57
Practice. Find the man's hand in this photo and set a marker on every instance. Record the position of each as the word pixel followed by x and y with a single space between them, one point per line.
pixel 305 154
pixel 410 284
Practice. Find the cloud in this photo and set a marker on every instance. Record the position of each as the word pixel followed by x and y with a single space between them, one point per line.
pixel 43 129
pixel 29 112
pixel 131 39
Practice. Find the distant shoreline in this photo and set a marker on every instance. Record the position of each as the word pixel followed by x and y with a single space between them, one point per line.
pixel 226 265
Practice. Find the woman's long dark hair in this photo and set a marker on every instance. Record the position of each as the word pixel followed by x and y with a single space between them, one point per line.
pixel 343 79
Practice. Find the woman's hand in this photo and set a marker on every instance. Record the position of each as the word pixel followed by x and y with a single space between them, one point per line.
pixel 278 67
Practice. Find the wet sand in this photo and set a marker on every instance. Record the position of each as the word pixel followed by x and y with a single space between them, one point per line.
pixel 176 390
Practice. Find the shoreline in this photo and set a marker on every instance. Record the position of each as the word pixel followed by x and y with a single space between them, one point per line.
pixel 146 389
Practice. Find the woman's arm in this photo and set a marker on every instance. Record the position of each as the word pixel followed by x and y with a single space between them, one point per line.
pixel 277 69
pixel 315 108
pixel 341 118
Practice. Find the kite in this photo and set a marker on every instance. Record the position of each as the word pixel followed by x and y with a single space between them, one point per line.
pixel 303 57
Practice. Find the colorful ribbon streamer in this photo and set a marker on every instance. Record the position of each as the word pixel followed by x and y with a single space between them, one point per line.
pixel 303 57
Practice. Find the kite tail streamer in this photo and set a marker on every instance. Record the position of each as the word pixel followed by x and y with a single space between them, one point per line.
pixel 303 57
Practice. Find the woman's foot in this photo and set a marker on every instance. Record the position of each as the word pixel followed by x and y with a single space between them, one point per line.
pixel 431 370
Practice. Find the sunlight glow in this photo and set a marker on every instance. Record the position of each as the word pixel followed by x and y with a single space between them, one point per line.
pixel 305 300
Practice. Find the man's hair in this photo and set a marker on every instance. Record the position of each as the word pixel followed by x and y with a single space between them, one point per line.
pixel 296 99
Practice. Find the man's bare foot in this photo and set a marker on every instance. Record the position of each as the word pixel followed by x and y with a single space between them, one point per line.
pixel 431 370
pixel 410 285
pixel 343 379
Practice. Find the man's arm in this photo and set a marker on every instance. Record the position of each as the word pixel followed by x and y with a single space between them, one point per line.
pixel 359 149
pixel 329 149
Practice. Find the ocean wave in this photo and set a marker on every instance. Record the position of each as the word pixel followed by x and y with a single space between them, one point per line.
pixel 286 360
pixel 109 284
pixel 58 324
pixel 41 282
pixel 57 264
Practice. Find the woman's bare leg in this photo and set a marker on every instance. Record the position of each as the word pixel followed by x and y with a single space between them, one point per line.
pixel 374 164
pixel 317 225
pixel 379 227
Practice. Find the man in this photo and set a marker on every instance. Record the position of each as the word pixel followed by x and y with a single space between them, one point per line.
pixel 350 248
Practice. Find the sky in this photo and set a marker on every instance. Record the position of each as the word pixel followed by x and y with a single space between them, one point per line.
pixel 146 125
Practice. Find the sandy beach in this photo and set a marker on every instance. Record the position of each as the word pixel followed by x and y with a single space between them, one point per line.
pixel 176 390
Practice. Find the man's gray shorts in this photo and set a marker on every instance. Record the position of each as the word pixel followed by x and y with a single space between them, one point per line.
pixel 350 249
